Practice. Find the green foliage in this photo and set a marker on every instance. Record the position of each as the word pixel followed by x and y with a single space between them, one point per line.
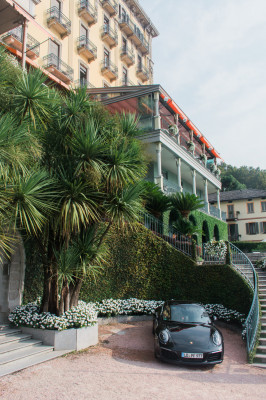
pixel 211 222
pixel 155 201
pixel 249 177
pixel 229 182
pixel 144 266
pixel 185 203
pixel 249 247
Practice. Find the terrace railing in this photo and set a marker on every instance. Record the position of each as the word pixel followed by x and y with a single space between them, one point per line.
pixel 174 238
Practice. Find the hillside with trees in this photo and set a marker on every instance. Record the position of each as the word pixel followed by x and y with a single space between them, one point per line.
pixel 236 178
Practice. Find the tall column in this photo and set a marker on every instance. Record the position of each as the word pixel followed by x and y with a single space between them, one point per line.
pixel 24 43
pixel 218 203
pixel 159 179
pixel 157 118
pixel 178 165
pixel 206 198
pixel 194 186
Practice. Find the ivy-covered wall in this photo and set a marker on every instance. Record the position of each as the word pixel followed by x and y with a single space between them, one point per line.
pixel 211 222
pixel 144 266
pixel 140 264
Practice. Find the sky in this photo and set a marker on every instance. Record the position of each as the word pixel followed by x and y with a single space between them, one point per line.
pixel 210 57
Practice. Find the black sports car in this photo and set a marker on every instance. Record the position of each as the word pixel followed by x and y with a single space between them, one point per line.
pixel 185 334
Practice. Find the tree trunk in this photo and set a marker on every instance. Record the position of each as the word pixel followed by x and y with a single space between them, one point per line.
pixel 46 288
pixel 75 293
pixel 53 299
pixel 64 293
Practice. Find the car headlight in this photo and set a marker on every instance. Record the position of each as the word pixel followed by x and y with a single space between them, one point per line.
pixel 164 336
pixel 217 338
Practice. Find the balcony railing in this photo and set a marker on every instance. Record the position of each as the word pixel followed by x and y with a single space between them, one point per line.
pixel 109 36
pixel 142 73
pixel 58 68
pixel 110 5
pixel 81 83
pixel 86 48
pixel 58 21
pixel 88 12
pixel 126 25
pixel 14 39
pixel 232 215
pixel 127 82
pixel 109 70
pixel 127 56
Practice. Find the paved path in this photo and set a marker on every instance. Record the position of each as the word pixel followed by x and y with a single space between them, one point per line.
pixel 123 367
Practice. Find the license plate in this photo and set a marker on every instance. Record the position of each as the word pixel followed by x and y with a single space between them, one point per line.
pixel 192 355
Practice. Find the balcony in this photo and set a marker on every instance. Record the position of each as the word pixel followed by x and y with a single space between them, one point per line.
pixel 58 68
pixel 127 56
pixel 109 36
pixel 127 82
pixel 110 6
pixel 14 39
pixel 59 22
pixel 142 73
pixel 81 83
pixel 232 215
pixel 87 12
pixel 127 26
pixel 86 48
pixel 140 42
pixel 109 70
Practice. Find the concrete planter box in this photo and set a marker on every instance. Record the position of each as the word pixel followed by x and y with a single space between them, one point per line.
pixel 123 319
pixel 69 339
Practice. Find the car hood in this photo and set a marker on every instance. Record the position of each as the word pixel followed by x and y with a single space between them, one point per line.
pixel 192 337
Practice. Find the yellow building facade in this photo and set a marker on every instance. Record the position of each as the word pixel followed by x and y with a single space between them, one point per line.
pixel 97 43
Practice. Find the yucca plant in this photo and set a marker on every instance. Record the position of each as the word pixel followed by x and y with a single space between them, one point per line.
pixel 184 203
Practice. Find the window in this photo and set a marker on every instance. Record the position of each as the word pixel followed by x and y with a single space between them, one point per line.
pixel 83 75
pixel 252 228
pixel 124 45
pixel 263 227
pixel 263 206
pixel 233 232
pixel 230 211
pixel 250 208
pixel 139 62
pixel 106 58
pixel 106 24
pixel 124 76
pixel 54 50
pixel 56 3
pixel 83 31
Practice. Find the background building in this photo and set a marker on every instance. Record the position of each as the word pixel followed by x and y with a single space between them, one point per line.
pixel 245 214
pixel 81 42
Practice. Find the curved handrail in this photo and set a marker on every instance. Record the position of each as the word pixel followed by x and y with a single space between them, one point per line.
pixel 243 264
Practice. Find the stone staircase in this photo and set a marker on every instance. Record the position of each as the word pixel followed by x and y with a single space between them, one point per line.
pixel 19 350
pixel 260 358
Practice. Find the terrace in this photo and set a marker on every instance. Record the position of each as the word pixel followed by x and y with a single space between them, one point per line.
pixel 87 12
pixel 58 21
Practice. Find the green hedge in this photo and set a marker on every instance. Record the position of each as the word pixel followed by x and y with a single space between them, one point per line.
pixel 140 264
pixel 249 247
pixel 144 266
pixel 200 217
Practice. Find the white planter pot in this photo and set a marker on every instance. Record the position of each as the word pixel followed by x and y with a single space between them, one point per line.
pixel 69 339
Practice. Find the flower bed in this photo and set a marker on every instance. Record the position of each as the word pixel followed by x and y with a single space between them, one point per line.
pixel 86 314
pixel 81 316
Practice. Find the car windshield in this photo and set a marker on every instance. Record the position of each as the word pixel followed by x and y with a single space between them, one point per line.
pixel 187 313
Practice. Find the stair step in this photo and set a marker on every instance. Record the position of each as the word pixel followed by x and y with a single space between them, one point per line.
pixel 259 365
pixel 14 338
pixel 260 357
pixel 18 365
pixel 261 349
pixel 5 348
pixel 9 331
pixel 24 353
pixel 262 341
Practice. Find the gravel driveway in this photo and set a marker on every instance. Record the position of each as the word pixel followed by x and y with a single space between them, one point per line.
pixel 122 367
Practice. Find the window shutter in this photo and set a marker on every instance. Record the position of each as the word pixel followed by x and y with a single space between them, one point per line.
pixel 247 229
pixel 261 227
pixel 257 227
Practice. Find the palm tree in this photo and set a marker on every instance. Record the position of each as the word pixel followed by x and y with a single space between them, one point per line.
pixel 155 201
pixel 185 203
